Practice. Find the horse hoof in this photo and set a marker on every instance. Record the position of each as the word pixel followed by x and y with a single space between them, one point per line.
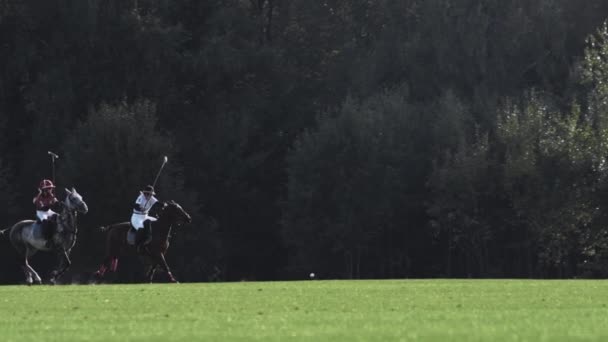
pixel 96 279
pixel 172 279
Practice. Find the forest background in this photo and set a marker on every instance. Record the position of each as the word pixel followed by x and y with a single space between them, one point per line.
pixel 352 139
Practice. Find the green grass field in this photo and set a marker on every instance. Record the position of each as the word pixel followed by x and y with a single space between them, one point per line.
pixel 405 310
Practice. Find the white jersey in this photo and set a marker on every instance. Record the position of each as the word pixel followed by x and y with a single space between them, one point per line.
pixel 144 204
pixel 139 216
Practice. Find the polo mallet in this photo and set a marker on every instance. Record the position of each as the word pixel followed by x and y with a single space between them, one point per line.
pixel 165 160
pixel 53 157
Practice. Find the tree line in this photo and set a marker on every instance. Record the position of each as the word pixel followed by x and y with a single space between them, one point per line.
pixel 352 139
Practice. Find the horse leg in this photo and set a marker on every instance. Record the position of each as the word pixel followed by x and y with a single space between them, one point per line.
pixel 150 261
pixel 104 267
pixel 37 279
pixel 164 264
pixel 30 274
pixel 26 268
pixel 101 271
pixel 150 273
pixel 64 264
pixel 110 263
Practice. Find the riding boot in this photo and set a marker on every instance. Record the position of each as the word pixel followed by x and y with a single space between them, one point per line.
pixel 140 238
pixel 49 233
pixel 50 243
pixel 147 232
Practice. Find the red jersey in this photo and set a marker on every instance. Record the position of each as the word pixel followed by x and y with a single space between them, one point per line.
pixel 44 200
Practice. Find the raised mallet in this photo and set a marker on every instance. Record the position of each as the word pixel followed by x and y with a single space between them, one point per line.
pixel 165 160
pixel 53 157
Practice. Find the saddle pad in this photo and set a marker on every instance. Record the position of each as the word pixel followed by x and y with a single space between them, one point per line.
pixel 37 231
pixel 131 236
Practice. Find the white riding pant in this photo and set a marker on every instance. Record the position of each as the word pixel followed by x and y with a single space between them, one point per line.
pixel 137 220
pixel 45 215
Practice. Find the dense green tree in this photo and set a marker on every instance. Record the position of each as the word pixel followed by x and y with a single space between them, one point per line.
pixel 109 157
pixel 235 83
pixel 354 190
pixel 463 191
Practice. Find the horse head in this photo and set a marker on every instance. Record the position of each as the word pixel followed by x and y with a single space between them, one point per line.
pixel 174 213
pixel 74 202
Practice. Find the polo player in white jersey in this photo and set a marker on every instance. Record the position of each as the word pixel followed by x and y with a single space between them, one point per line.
pixel 140 218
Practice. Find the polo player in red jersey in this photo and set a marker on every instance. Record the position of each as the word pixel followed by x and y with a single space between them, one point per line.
pixel 44 201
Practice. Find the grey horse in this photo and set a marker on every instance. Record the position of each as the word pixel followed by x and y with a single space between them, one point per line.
pixel 27 237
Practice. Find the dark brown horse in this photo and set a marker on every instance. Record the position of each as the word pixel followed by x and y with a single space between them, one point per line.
pixel 153 254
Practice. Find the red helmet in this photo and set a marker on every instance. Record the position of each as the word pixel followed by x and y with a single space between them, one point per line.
pixel 46 184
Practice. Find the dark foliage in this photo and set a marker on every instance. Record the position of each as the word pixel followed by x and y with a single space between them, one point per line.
pixel 365 139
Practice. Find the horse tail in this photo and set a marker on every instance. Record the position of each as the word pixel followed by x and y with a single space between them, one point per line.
pixel 108 227
pixel 112 226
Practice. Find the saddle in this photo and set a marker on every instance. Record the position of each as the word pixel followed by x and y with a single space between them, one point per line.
pixel 46 229
pixel 133 235
pixel 38 230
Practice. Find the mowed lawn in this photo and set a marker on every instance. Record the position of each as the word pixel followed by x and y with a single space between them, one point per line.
pixel 404 310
